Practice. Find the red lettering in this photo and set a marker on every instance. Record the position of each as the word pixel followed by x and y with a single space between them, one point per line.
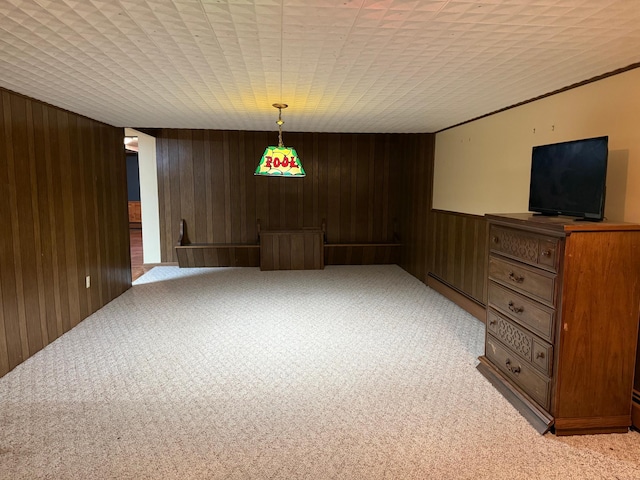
pixel 293 163
pixel 268 162
pixel 285 162
pixel 276 162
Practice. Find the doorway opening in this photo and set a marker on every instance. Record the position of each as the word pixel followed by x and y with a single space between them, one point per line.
pixel 144 211
pixel 135 211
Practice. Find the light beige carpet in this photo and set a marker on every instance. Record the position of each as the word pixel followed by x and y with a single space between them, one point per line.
pixel 346 373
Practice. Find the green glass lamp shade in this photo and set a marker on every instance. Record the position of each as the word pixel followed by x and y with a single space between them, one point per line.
pixel 280 162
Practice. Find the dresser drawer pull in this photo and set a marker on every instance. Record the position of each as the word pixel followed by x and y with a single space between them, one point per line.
pixel 496 239
pixel 515 278
pixel 546 253
pixel 492 322
pixel 515 309
pixel 540 355
pixel 514 370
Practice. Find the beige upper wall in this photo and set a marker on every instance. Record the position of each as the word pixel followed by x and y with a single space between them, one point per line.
pixel 484 166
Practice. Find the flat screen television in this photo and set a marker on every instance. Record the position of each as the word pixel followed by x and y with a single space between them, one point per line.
pixel 569 178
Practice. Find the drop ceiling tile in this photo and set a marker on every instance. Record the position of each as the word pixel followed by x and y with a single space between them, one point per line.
pixel 180 63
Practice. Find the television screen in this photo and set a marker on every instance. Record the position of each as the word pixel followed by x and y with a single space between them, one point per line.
pixel 569 178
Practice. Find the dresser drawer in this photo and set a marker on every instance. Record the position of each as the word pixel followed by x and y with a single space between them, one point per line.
pixel 521 341
pixel 523 310
pixel 548 253
pixel 520 372
pixel 537 284
pixel 542 355
pixel 527 247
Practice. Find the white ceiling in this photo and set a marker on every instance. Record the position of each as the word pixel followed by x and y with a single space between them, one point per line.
pixel 347 65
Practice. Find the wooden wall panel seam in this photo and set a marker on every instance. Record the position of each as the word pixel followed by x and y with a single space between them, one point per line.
pixel 69 221
pixel 53 215
pixel 44 334
pixel 227 187
pixel 243 189
pixel 17 253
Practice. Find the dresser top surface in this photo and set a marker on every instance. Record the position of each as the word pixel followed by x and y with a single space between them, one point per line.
pixel 559 224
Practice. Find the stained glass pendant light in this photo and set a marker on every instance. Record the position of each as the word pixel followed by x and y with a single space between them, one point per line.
pixel 280 161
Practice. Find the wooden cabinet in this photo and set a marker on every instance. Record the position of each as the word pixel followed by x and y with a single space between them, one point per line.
pixel 292 249
pixel 562 320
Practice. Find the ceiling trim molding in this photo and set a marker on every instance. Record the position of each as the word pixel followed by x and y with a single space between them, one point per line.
pixel 545 95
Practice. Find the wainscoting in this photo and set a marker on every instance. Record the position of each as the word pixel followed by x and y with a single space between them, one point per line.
pixel 447 250
pixel 64 209
pixel 459 246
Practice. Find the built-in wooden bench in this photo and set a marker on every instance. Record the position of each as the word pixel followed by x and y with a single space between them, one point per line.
pixel 215 255
pixel 298 249
pixel 361 253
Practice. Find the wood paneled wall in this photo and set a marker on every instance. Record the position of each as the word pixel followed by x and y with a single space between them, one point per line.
pixel 459 252
pixel 206 177
pixel 63 207
pixel 417 186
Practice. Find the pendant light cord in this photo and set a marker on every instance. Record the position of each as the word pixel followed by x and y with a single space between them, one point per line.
pixel 280 122
pixel 281 44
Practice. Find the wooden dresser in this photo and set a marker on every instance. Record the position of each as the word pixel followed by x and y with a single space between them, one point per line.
pixel 562 320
